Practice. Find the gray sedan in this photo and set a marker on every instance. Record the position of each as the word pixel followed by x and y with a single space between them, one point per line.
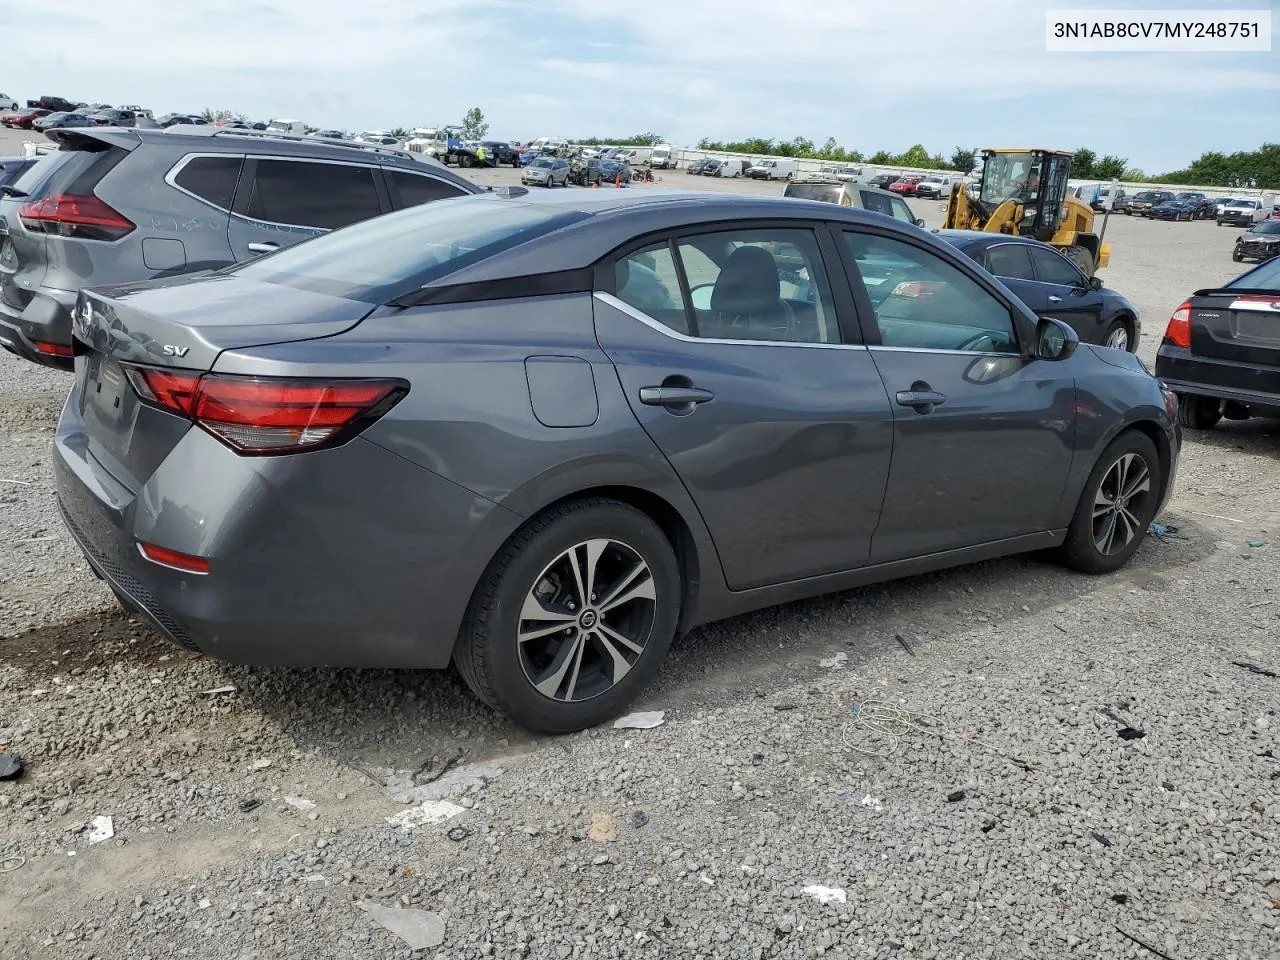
pixel 543 437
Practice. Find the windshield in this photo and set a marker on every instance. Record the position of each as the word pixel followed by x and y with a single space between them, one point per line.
pixel 1267 226
pixel 541 162
pixel 1009 176
pixel 380 259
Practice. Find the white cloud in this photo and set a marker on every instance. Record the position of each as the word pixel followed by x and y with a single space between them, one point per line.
pixel 871 74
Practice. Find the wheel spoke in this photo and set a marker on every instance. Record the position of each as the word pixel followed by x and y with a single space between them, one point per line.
pixel 1102 503
pixel 1108 534
pixel 1139 481
pixel 594 550
pixel 567 658
pixel 621 666
pixel 635 585
pixel 1131 525
pixel 611 634
pixel 548 621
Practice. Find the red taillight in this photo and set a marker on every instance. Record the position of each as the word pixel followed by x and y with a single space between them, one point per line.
pixel 81 218
pixel 1178 332
pixel 265 415
pixel 52 349
pixel 185 562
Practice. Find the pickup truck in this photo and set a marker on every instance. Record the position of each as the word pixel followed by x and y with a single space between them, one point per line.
pixel 55 104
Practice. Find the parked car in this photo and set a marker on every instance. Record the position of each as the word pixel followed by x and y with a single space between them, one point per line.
pixel 1142 202
pixel 905 185
pixel 54 104
pixel 850 194
pixel 114 118
pixel 614 171
pixel 1099 202
pixel 1051 285
pixel 113 205
pixel 549 523
pixel 546 172
pixel 883 180
pixel 57 121
pixel 700 167
pixel 732 167
pixel 1175 210
pixel 1261 242
pixel 1221 350
pixel 189 119
pixel 25 119
pixel 1241 213
pixel 528 156
pixel 771 169
pixel 330 135
pixel 1219 203
pixel 7 102
pixel 934 187
pixel 1204 207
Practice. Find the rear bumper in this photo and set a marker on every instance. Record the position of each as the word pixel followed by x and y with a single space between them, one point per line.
pixel 351 557
pixel 1249 384
pixel 46 318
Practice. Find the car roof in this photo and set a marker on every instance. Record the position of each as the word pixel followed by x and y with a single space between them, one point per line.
pixel 614 218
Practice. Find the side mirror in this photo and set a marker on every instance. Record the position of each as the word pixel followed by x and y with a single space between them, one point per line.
pixel 919 221
pixel 1055 340
pixel 1095 283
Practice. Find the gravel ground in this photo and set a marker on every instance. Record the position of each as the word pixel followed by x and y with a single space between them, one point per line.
pixel 1007 818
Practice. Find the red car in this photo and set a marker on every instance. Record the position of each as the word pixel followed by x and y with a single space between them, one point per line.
pixel 906 185
pixel 22 119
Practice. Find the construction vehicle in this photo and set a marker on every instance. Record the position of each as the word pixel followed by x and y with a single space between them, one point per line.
pixel 1023 192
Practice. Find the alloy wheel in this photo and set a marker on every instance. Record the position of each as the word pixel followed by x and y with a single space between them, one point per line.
pixel 1118 339
pixel 1119 503
pixel 585 622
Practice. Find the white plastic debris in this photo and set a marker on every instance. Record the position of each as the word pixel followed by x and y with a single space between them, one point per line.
pixel 314 878
pixel 875 803
pixel 836 662
pixel 420 929
pixel 826 894
pixel 101 828
pixel 261 763
pixel 217 690
pixel 707 880
pixel 431 811
pixel 301 804
pixel 644 720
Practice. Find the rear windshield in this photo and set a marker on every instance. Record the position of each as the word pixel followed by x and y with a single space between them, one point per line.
pixel 74 168
pixel 380 259
pixel 1265 277
pixel 814 191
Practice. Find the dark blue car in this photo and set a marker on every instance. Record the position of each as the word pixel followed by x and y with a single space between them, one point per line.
pixel 1053 286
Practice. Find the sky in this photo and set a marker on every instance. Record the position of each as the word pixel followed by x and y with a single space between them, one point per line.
pixel 872 74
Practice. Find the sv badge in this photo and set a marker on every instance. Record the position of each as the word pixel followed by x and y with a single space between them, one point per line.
pixel 171 351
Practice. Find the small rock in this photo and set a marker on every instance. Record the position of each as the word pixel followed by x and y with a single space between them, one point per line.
pixel 638 818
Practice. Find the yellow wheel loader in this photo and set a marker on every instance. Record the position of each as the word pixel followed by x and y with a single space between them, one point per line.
pixel 1024 192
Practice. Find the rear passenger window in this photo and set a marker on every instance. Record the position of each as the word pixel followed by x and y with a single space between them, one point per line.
pixel 212 179
pixel 647 280
pixel 414 189
pixel 889 206
pixel 306 194
pixel 1010 260
pixel 1052 267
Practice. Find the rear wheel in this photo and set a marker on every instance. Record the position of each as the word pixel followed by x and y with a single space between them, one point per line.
pixel 573 617
pixel 1199 413
pixel 1082 258
pixel 1117 505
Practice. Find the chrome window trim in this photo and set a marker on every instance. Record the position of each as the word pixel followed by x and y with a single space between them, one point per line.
pixel 171 178
pixel 949 352
pixel 612 301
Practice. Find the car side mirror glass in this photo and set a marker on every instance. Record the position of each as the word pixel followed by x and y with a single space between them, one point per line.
pixel 1055 340
pixel 919 221
pixel 1095 283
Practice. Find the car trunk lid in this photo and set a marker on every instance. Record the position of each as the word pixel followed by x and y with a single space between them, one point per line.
pixel 181 324
pixel 1237 325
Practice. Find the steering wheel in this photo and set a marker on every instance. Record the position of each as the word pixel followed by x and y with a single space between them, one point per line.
pixel 982 343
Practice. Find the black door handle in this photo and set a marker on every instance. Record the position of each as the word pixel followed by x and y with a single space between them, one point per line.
pixel 674 396
pixel 922 400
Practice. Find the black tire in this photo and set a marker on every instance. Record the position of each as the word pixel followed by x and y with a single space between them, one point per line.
pixel 490 658
pixel 1113 329
pixel 1236 256
pixel 1197 412
pixel 1082 258
pixel 1080 550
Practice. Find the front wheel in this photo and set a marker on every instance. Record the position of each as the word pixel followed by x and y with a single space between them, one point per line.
pixel 1082 258
pixel 1117 505
pixel 1236 256
pixel 1117 336
pixel 573 617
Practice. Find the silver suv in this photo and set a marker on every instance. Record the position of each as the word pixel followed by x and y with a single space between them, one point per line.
pixel 117 205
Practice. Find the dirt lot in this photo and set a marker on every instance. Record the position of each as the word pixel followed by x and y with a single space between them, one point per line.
pixel 1009 819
